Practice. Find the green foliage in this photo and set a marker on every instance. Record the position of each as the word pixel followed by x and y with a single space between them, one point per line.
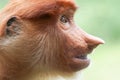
pixel 105 63
pixel 3 2
pixel 100 17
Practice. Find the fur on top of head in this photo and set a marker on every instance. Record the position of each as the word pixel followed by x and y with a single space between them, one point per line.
pixel 33 8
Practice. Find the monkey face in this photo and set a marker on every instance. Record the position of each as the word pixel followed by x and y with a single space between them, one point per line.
pixel 47 38
pixel 77 44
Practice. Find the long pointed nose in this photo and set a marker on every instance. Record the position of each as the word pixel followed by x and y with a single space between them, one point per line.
pixel 92 41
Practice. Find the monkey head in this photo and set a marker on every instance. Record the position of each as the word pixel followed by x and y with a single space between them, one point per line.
pixel 41 36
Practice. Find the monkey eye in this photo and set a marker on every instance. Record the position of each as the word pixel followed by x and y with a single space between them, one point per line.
pixel 64 19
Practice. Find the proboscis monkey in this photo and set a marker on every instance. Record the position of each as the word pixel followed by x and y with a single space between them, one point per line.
pixel 39 40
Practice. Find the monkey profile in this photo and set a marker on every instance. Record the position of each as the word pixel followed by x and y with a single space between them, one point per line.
pixel 39 40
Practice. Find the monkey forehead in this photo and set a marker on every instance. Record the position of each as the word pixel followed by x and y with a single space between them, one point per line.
pixel 34 8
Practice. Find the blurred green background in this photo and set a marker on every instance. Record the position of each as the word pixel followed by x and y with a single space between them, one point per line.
pixel 100 18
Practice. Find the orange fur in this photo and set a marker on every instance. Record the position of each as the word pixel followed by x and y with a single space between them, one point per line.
pixel 40 41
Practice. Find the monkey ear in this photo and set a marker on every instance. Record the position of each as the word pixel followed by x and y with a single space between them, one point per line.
pixel 13 27
pixel 10 21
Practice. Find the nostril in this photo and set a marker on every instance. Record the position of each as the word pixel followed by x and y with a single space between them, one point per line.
pixel 91 47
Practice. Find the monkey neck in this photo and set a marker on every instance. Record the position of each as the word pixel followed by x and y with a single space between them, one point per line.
pixel 53 76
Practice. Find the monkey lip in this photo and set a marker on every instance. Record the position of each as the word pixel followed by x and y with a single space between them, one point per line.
pixel 80 62
pixel 81 56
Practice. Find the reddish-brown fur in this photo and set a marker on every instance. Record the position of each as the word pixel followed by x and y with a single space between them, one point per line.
pixel 38 45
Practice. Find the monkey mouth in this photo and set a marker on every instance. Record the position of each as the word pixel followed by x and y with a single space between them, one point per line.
pixel 81 56
pixel 80 61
